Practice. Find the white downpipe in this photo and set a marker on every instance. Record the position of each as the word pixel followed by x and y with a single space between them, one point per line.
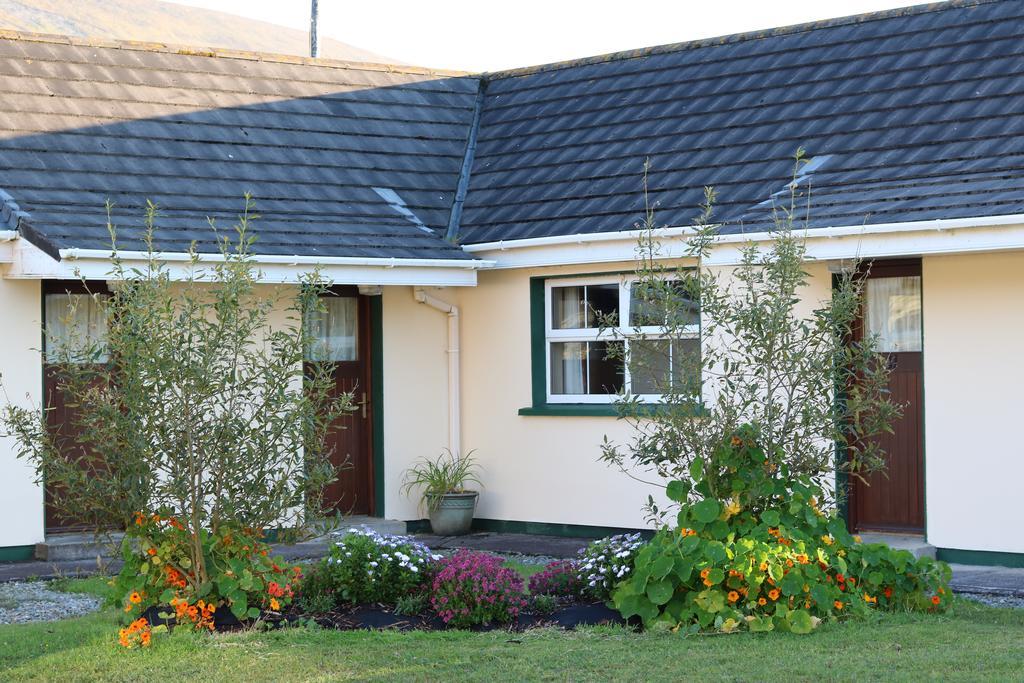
pixel 454 385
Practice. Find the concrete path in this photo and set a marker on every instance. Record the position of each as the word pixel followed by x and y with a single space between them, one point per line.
pixel 966 578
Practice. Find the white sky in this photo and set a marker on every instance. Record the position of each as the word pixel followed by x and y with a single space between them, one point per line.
pixel 485 35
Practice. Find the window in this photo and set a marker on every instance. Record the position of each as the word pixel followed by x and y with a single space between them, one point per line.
pixel 78 321
pixel 334 329
pixel 577 366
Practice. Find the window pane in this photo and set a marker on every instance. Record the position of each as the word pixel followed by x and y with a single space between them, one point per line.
pixel 662 303
pixel 568 308
pixel 602 300
pixel 686 366
pixel 582 368
pixel 649 362
pixel 606 375
pixel 568 367
pixel 75 323
pixel 893 312
pixel 335 330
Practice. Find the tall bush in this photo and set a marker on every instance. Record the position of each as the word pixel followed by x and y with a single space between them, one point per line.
pixel 196 407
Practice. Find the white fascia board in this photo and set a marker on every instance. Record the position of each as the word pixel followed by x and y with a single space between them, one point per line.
pixel 916 238
pixel 31 263
pixel 7 241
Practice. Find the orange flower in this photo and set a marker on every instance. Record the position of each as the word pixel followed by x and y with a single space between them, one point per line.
pixel 704 572
pixel 135 598
pixel 773 531
pixel 736 442
pixel 936 599
pixel 774 594
pixel 139 519
pixel 274 604
pixel 762 602
pixel 870 600
pixel 888 591
pixel 733 596
pixel 852 580
pixel 151 551
pixel 789 563
pixel 763 566
pixel 838 604
pixel 145 637
pixel 802 559
pixel 708 583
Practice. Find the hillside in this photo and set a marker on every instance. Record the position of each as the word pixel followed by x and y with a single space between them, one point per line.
pixel 165 22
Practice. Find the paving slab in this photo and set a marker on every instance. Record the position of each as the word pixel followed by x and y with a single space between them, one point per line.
pixel 523 544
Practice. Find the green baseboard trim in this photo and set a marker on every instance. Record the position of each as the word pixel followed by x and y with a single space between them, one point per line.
pixel 508 526
pixel 17 553
pixel 980 557
pixel 571 410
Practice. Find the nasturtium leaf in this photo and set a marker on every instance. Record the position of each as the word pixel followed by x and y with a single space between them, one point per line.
pixel 697 469
pixel 144 568
pixel 662 566
pixel 683 569
pixel 716 552
pixel 677 490
pixel 185 563
pixel 204 589
pixel 710 600
pixel 718 529
pixel 800 621
pixel 716 575
pixel 792 583
pixel 239 605
pixel 821 595
pixel 660 592
pixel 689 544
pixel 707 510
pixel 167 595
pixel 760 624
pixel 770 517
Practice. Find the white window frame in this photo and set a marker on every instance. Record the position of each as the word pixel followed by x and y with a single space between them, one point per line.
pixel 623 332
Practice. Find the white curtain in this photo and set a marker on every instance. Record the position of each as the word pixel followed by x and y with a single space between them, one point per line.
pixel 568 367
pixel 568 308
pixel 336 330
pixel 894 312
pixel 76 321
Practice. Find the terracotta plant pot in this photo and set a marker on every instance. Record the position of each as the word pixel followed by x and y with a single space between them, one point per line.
pixel 451 514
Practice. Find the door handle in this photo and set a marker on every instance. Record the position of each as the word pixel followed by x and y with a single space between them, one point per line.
pixel 362 403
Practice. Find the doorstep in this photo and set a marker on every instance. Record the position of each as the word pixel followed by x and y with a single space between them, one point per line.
pixel 915 543
pixel 78 546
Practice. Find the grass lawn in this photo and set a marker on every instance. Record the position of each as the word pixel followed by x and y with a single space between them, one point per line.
pixel 972 643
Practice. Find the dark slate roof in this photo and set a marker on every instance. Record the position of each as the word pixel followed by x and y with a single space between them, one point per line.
pixel 341 159
pixel 908 115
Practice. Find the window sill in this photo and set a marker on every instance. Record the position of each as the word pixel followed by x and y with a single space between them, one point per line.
pixel 589 410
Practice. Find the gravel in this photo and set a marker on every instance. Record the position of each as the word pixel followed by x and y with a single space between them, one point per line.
pixel 25 601
pixel 995 600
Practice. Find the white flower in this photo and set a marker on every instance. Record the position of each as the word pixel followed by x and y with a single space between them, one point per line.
pixel 413 569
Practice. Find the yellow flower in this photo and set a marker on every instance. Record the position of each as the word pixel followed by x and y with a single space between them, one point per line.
pixel 857 539
pixel 733 507
pixel 827 540
pixel 274 604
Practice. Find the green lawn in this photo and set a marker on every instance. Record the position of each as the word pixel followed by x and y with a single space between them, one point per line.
pixel 972 643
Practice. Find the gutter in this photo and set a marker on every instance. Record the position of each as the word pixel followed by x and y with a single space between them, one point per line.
pixel 454 384
pixel 75 254
pixel 761 236
pixel 7 239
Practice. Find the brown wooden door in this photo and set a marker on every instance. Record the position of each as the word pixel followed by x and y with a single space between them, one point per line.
pixel 893 499
pixel 343 332
pixel 60 300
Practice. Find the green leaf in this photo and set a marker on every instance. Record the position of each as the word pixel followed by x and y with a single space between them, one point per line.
pixel 239 605
pixel 716 575
pixel 719 529
pixel 761 624
pixel 792 583
pixel 697 469
pixel 800 621
pixel 716 552
pixel 689 544
pixel 204 589
pixel 770 517
pixel 710 600
pixel 707 510
pixel 253 612
pixel 662 566
pixel 677 490
pixel 660 592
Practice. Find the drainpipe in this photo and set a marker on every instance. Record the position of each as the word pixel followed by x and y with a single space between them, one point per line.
pixel 454 410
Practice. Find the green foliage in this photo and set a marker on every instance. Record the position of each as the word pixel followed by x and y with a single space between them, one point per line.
pixel 542 605
pixel 413 604
pixel 196 403
pixel 240 573
pixel 447 473
pixel 764 358
pixel 368 567
pixel 768 559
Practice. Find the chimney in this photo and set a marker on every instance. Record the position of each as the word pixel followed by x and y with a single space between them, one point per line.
pixel 314 36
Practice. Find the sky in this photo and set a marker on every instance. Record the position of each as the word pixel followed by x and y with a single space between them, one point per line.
pixel 487 35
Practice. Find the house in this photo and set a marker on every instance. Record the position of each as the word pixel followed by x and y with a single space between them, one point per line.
pixel 456 211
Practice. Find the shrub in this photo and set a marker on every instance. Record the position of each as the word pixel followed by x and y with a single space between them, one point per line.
pixel 543 605
pixel 607 561
pixel 475 588
pixel 242 576
pixel 367 567
pixel 413 604
pixel 560 579
pixel 769 558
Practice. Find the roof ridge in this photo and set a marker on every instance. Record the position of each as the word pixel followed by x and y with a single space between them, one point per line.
pixel 910 10
pixel 224 53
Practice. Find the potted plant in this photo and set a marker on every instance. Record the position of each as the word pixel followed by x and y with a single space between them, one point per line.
pixel 444 480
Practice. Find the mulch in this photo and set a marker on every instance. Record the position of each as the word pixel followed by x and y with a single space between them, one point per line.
pixel 380 618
